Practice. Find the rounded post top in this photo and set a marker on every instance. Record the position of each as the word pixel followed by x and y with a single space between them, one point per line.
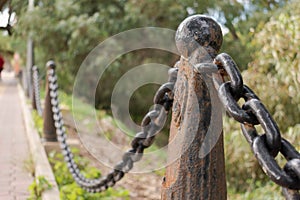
pixel 198 31
pixel 51 64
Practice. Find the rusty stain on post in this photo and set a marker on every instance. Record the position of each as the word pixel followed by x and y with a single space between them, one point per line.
pixel 190 176
pixel 49 128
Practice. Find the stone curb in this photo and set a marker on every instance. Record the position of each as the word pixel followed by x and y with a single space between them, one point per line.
pixel 42 166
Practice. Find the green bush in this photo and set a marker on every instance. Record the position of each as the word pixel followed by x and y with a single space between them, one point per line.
pixel 69 190
pixel 38 122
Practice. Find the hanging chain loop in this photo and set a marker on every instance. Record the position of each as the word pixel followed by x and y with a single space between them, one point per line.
pixel 36 88
pixel 152 123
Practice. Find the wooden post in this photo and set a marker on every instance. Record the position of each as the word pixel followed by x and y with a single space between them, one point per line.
pixel 29 64
pixel 192 175
pixel 49 127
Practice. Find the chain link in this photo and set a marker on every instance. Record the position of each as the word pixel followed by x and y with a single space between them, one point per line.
pixel 36 88
pixel 152 123
pixel 253 112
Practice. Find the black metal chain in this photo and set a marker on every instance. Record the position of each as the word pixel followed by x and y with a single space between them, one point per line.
pixel 36 90
pixel 253 112
pixel 152 123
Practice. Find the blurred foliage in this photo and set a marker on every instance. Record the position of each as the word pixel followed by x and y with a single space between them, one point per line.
pixel 275 71
pixel 5 43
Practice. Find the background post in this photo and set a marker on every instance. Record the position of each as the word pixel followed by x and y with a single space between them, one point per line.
pixel 192 176
pixel 29 56
pixel 34 81
pixel 49 128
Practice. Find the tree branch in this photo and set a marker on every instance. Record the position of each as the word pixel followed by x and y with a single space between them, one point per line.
pixel 232 30
pixel 2 3
pixel 7 28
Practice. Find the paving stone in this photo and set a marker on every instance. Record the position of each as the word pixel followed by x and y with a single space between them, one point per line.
pixel 14 180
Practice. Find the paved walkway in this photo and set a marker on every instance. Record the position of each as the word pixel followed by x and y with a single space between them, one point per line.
pixel 14 150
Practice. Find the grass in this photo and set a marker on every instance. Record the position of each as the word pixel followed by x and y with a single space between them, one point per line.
pixel 29 166
pixel 38 122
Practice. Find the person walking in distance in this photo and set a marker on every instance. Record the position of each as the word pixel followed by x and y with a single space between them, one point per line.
pixel 1 65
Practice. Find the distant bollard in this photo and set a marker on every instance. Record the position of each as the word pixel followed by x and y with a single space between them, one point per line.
pixel 36 101
pixel 49 128
pixel 21 78
pixel 25 82
pixel 34 81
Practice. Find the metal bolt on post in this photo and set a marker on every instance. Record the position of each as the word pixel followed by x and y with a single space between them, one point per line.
pixel 196 154
pixel 49 127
